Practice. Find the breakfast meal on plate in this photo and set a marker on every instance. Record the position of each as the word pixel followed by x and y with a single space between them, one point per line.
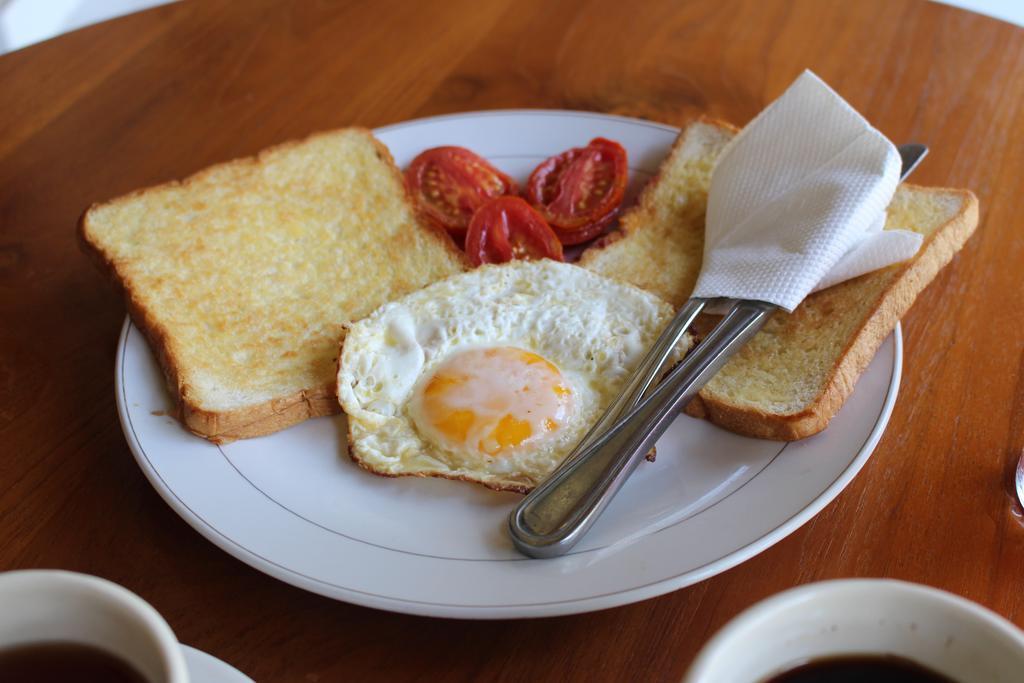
pixel 248 277
pixel 243 276
pixel 493 375
pixel 791 379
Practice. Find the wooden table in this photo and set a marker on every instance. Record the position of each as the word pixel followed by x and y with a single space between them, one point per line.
pixel 160 94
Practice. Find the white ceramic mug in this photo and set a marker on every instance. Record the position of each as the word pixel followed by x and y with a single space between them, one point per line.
pixel 46 605
pixel 938 630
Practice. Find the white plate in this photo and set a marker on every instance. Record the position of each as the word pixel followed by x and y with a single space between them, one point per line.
pixel 205 668
pixel 294 506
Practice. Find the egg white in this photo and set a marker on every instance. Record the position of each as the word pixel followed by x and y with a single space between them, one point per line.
pixel 593 329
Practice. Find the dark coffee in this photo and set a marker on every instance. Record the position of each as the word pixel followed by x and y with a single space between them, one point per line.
pixel 860 669
pixel 63 662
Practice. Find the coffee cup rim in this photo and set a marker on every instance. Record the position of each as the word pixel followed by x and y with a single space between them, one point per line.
pixel 42 579
pixel 883 590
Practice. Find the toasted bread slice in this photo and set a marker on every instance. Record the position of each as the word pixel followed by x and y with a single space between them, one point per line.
pixel 793 377
pixel 244 275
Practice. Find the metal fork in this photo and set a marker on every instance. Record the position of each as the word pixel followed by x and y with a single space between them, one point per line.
pixel 559 512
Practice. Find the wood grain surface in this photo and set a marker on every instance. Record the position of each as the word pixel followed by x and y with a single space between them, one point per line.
pixel 155 96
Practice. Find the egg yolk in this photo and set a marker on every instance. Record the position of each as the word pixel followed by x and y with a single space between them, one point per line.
pixel 492 401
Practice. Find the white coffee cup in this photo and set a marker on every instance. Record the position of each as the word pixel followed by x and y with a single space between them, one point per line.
pixel 938 630
pixel 39 606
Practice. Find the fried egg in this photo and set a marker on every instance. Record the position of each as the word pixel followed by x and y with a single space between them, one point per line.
pixel 494 375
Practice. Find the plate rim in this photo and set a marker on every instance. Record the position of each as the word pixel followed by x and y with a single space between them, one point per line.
pixel 527 111
pixel 546 609
pixel 520 611
pixel 197 660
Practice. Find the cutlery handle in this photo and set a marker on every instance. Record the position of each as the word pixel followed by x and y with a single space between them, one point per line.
pixel 552 518
pixel 643 380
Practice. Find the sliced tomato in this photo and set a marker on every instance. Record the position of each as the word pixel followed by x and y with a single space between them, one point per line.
pixel 508 228
pixel 580 186
pixel 450 183
pixel 588 232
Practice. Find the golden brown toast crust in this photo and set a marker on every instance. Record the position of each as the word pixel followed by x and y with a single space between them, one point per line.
pixel 902 284
pixel 254 420
pixel 892 303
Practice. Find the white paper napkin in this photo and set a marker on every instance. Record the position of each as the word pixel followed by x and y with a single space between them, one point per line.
pixel 797 201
